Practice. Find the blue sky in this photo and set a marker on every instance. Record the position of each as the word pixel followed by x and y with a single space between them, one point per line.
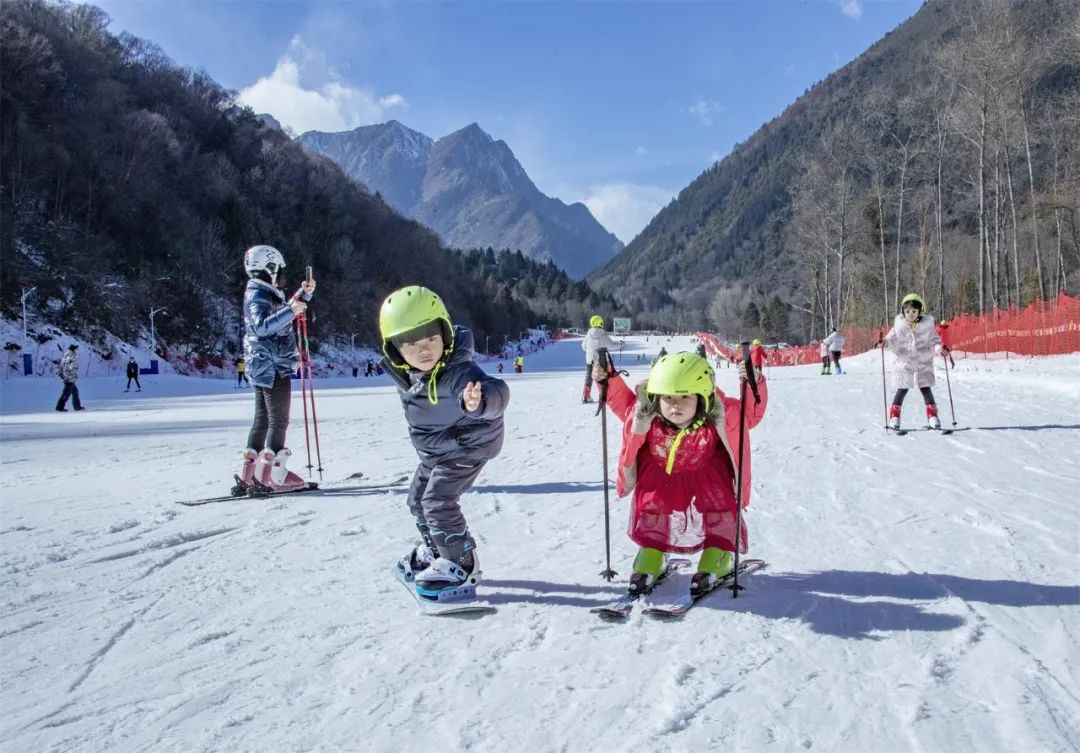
pixel 616 104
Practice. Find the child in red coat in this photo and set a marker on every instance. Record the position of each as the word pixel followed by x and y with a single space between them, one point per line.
pixel 680 436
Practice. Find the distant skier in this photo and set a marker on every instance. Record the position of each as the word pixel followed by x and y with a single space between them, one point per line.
pixel 680 434
pixel 455 416
pixel 69 373
pixel 758 356
pixel 661 354
pixel 834 343
pixel 701 351
pixel 594 339
pixel 519 364
pixel 271 356
pixel 241 369
pixel 133 373
pixel 824 351
pixel 914 341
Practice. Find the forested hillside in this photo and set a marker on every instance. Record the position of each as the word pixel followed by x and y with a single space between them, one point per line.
pixel 945 159
pixel 129 183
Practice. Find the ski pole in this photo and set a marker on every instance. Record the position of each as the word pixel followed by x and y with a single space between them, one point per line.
pixel 604 358
pixel 751 379
pixel 300 321
pixel 948 383
pixel 884 392
pixel 311 394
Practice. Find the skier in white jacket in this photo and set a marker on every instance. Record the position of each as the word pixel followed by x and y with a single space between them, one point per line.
pixel 594 339
pixel 833 344
pixel 913 341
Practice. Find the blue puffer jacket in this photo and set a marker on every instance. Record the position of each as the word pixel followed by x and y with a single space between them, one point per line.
pixel 269 339
pixel 443 429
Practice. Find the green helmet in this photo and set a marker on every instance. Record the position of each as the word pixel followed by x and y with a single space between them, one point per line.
pixel 411 308
pixel 596 321
pixel 756 342
pixel 682 374
pixel 913 298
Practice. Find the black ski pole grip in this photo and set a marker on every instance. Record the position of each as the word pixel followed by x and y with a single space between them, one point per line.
pixel 751 378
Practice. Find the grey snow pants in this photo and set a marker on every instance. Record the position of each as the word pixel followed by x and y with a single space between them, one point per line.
pixel 434 496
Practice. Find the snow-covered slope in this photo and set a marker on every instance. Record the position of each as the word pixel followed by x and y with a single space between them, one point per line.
pixel 922 593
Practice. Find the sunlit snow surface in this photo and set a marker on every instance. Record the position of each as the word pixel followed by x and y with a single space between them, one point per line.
pixel 922 593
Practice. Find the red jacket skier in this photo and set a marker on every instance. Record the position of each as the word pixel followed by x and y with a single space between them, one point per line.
pixel 680 436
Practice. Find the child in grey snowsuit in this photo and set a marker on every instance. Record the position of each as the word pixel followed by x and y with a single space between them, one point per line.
pixel 455 416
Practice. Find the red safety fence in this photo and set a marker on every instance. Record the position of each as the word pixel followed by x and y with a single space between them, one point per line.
pixel 1044 328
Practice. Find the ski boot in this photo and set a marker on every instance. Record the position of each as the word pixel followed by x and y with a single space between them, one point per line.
pixel 932 420
pixel 894 417
pixel 648 565
pixel 449 580
pixel 586 394
pixel 839 371
pixel 246 475
pixel 272 475
pixel 715 565
pixel 418 559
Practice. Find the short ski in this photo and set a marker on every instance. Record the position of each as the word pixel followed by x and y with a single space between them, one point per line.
pixel 681 601
pixel 435 608
pixel 621 608
pixel 322 491
pixel 902 432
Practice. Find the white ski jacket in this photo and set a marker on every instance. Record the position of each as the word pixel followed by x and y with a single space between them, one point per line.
pixel 834 342
pixel 914 349
pixel 595 338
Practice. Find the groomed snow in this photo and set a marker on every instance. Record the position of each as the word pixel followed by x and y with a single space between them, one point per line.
pixel 922 593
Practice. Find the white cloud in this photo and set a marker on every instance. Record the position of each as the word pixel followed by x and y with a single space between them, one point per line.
pixel 641 151
pixel 851 8
pixel 626 208
pixel 329 105
pixel 704 110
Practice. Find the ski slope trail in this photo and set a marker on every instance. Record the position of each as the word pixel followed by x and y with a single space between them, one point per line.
pixel 922 594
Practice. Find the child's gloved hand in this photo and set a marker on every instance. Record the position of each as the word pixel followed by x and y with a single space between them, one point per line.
pixel 644 411
pixel 308 286
pixel 472 396
pixel 297 306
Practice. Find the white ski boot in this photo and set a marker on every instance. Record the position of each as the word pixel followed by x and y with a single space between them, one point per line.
pixel 418 559
pixel 447 580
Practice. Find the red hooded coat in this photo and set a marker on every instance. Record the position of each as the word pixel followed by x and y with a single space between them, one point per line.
pixel 693 506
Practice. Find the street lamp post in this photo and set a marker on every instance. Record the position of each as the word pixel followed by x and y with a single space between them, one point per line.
pixel 25 294
pixel 487 349
pixel 154 312
pixel 352 339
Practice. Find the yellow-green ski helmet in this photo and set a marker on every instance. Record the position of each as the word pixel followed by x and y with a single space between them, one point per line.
pixel 596 321
pixel 683 373
pixel 916 299
pixel 408 309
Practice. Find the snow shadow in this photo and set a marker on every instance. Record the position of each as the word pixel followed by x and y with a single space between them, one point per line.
pixel 558 487
pixel 1039 427
pixel 546 592
pixel 826 600
pixel 78 429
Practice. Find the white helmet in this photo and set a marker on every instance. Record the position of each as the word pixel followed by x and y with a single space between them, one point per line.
pixel 263 259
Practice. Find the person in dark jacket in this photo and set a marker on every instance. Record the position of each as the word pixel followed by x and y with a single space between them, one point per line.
pixel 455 416
pixel 133 373
pixel 69 372
pixel 271 357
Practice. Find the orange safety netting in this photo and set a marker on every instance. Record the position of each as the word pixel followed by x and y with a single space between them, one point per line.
pixel 1043 328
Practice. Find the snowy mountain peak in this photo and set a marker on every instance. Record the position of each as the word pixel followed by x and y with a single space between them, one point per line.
pixel 469 188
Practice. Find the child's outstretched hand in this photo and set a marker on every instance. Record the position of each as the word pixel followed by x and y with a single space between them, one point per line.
pixel 644 411
pixel 472 396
